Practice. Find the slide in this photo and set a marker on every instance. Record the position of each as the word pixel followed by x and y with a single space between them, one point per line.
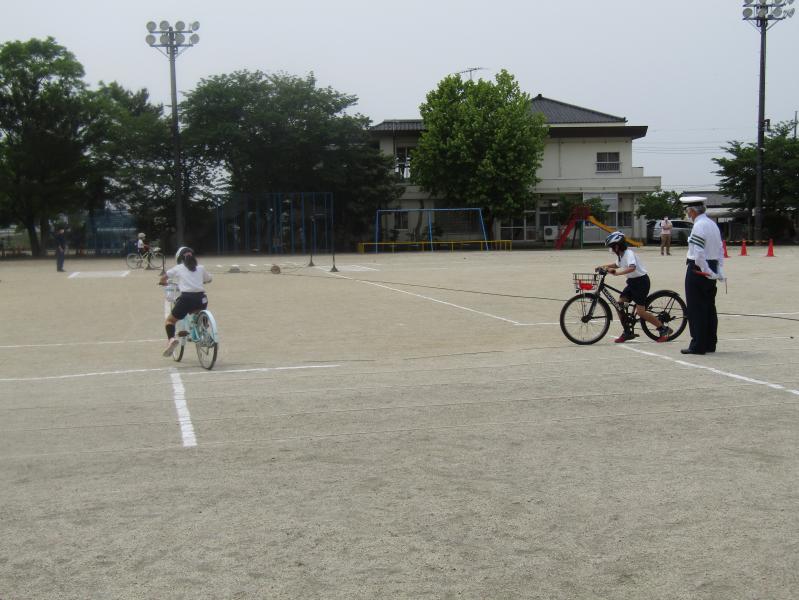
pixel 609 229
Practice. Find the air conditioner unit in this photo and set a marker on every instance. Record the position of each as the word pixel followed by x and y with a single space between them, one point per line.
pixel 550 233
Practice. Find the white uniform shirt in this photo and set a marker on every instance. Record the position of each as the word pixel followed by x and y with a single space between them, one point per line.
pixel 704 243
pixel 629 259
pixel 189 281
pixel 140 244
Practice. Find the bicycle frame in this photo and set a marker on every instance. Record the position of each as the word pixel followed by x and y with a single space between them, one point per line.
pixel 628 310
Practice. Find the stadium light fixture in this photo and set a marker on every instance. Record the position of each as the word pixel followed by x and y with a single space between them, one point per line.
pixel 170 41
pixel 763 15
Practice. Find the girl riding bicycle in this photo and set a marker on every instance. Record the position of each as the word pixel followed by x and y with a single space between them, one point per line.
pixel 637 288
pixel 191 279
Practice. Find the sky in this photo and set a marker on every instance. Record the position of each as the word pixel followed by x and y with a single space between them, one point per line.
pixel 688 70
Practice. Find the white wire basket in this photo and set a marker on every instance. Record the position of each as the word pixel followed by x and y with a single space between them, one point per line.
pixel 171 292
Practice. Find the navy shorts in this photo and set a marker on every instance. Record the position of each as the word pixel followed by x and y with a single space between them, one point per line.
pixel 637 289
pixel 189 302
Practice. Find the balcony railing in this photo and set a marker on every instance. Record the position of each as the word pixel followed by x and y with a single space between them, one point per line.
pixel 608 167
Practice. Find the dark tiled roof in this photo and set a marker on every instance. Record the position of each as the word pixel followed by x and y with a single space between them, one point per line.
pixel 400 125
pixel 555 112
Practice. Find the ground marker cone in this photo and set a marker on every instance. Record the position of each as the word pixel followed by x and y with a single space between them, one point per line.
pixel 743 248
pixel 770 248
pixel 724 245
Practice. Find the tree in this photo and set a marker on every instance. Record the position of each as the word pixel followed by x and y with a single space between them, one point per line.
pixel 482 145
pixel 657 205
pixel 566 204
pixel 279 133
pixel 780 176
pixel 43 113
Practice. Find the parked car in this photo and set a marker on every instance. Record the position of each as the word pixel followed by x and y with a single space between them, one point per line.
pixel 679 232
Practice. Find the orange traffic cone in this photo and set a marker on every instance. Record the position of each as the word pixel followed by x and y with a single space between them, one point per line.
pixel 770 248
pixel 724 245
pixel 743 248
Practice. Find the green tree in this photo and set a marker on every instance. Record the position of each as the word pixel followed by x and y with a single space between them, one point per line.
pixel 657 205
pixel 278 133
pixel 482 145
pixel 43 117
pixel 566 204
pixel 780 176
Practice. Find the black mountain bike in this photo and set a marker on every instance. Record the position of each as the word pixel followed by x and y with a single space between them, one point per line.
pixel 585 318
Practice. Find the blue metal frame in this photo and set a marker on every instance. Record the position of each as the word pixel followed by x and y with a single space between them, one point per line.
pixel 429 221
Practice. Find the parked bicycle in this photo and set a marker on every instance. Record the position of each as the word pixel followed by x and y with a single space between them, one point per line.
pixel 199 328
pixel 152 258
pixel 586 317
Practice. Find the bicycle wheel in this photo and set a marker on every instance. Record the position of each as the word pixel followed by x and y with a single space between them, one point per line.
pixel 206 344
pixel 157 260
pixel 670 309
pixel 133 260
pixel 581 323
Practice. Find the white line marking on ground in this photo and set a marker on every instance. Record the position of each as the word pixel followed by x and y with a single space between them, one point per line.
pixel 534 324
pixel 129 371
pixel 262 369
pixel 380 285
pixel 98 274
pixel 774 386
pixel 79 344
pixel 182 409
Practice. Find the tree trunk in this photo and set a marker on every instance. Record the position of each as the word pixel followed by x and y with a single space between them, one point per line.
pixel 44 235
pixel 34 240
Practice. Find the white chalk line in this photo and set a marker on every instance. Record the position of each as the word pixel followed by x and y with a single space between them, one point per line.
pixel 774 386
pixel 182 410
pixel 154 370
pixel 55 345
pixel 466 308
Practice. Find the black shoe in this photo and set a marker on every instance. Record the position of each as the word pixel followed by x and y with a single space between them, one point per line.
pixel 689 351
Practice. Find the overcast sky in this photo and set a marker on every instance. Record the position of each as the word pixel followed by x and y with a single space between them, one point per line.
pixel 688 70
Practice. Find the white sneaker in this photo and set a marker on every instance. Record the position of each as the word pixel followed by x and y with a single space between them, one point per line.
pixel 170 347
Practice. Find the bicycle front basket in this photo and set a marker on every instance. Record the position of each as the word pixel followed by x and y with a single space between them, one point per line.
pixel 585 282
pixel 171 292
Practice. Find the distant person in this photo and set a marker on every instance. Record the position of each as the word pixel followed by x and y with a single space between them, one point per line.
pixel 60 249
pixel 665 236
pixel 141 244
pixel 705 260
pixel 191 279
pixel 637 288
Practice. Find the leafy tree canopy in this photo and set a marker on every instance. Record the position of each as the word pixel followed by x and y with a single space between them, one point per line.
pixel 780 171
pixel 482 144
pixel 657 205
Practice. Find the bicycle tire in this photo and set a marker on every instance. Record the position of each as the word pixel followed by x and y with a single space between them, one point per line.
pixel 156 260
pixel 670 309
pixel 207 345
pixel 133 261
pixel 177 353
pixel 577 326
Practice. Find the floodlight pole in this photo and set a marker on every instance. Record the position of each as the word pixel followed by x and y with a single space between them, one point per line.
pixel 760 13
pixel 170 42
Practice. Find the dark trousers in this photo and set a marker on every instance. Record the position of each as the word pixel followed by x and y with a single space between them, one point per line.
pixel 59 259
pixel 703 322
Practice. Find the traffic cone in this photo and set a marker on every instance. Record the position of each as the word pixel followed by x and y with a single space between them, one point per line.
pixel 724 245
pixel 743 248
pixel 770 248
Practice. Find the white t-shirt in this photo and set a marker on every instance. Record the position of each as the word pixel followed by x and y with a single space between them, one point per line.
pixel 140 244
pixel 189 281
pixel 629 259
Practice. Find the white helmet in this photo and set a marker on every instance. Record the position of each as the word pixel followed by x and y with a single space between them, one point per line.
pixel 182 251
pixel 617 237
pixel 142 236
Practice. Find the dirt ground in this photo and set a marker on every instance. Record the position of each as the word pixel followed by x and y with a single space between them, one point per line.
pixel 412 426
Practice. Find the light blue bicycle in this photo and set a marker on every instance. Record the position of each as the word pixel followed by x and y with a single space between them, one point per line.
pixel 198 327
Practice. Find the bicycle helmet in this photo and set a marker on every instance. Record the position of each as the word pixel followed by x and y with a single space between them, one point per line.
pixel 142 236
pixel 617 237
pixel 182 251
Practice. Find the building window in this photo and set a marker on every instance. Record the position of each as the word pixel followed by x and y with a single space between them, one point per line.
pixel 625 219
pixel 608 162
pixel 402 162
pixel 400 220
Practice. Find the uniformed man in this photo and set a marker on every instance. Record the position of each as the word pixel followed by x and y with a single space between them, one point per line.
pixel 705 261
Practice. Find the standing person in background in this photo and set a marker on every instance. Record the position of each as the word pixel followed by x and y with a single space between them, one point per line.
pixel 665 236
pixel 60 249
pixel 705 260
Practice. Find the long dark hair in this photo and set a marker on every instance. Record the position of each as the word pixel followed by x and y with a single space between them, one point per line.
pixel 190 261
